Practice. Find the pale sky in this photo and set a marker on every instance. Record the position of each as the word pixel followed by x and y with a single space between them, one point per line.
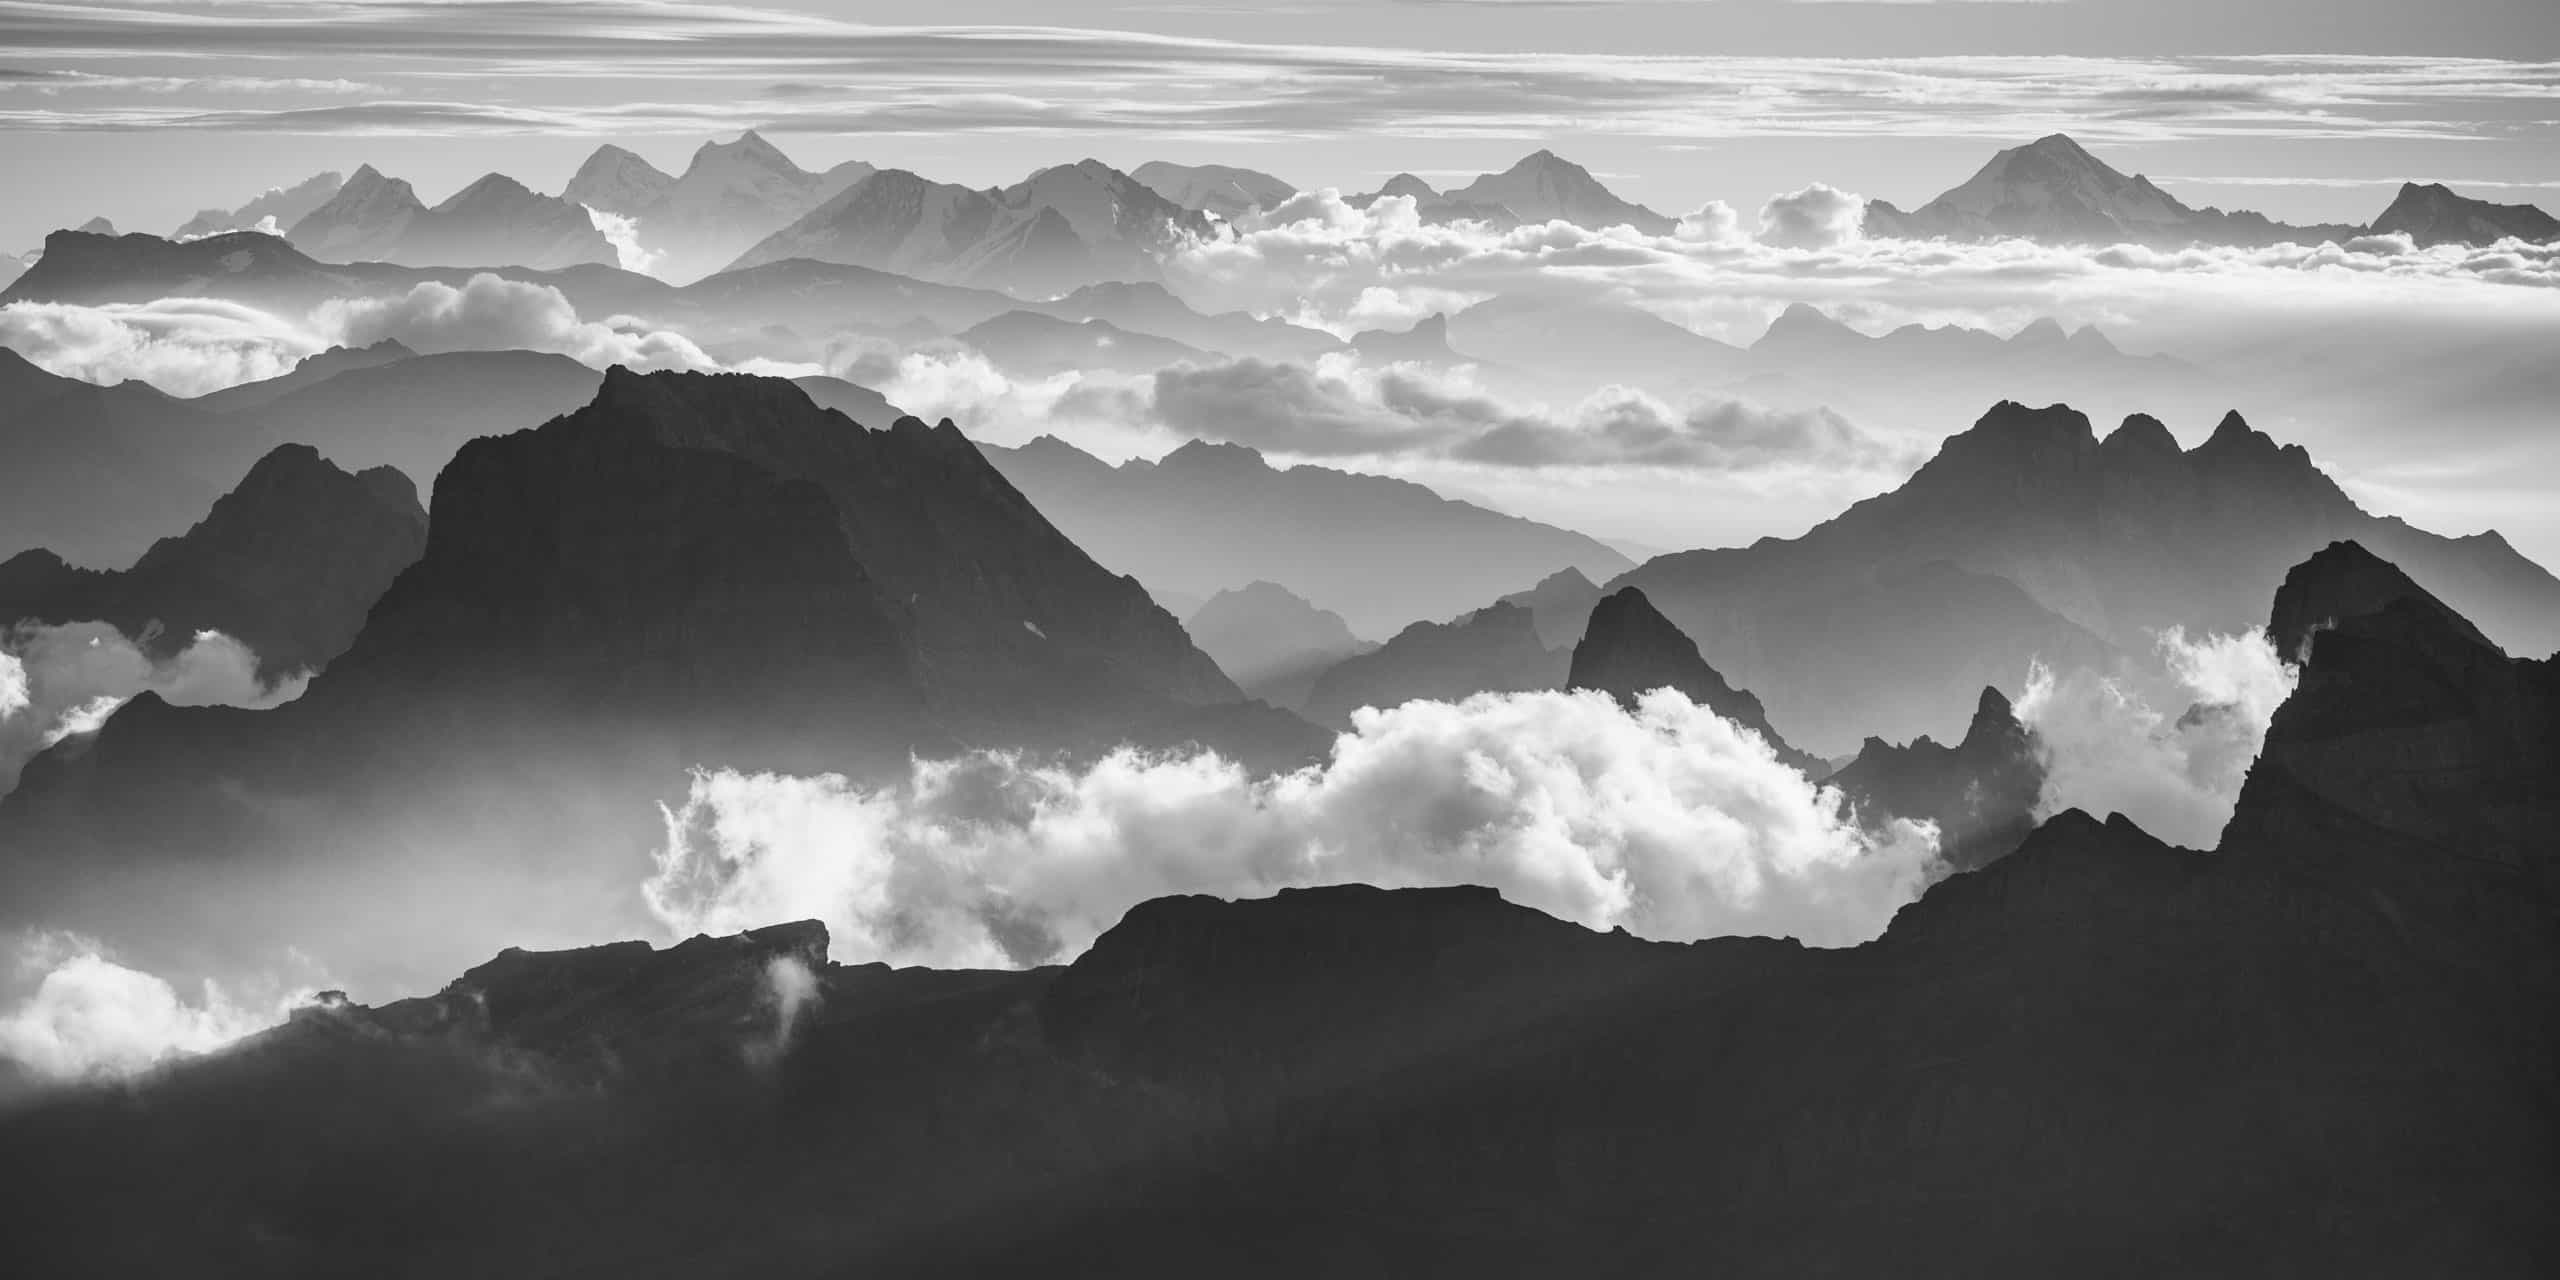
pixel 2309 110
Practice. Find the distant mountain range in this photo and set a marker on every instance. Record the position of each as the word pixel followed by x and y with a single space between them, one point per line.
pixel 2341 1016
pixel 730 196
pixel 2028 538
pixel 1057 230
pixel 1378 551
pixel 2053 190
pixel 273 211
pixel 1224 190
pixel 496 221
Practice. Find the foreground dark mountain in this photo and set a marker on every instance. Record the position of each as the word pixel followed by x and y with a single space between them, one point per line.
pixel 287 563
pixel 1241 520
pixel 2327 1048
pixel 2028 538
pixel 690 570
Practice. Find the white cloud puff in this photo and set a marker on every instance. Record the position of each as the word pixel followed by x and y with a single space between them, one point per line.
pixel 1667 820
pixel 184 346
pixel 90 1017
pixel 2106 750
pixel 57 681
pixel 491 313
pixel 1818 217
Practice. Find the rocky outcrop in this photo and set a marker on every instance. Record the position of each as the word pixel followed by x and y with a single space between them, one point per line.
pixel 288 563
pixel 1630 649
pixel 1981 792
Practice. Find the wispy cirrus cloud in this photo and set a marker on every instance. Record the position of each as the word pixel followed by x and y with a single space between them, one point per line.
pixel 536 66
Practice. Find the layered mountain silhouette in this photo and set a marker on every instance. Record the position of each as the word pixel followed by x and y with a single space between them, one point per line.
pixel 94 472
pixel 730 195
pixel 2028 538
pixel 1432 206
pixel 1032 345
pixel 687 569
pixel 2324 1045
pixel 1495 649
pixel 495 221
pixel 1224 190
pixel 2053 190
pixel 1546 187
pixel 1629 649
pixel 287 563
pixel 1244 520
pixel 1270 641
pixel 1148 308
pixel 1061 228
pixel 273 210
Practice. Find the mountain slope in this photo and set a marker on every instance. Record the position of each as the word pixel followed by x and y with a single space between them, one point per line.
pixel 1241 520
pixel 287 563
pixel 2054 191
pixel 1629 649
pixel 285 205
pixel 2046 544
pixel 1224 190
pixel 2432 214
pixel 1272 643
pixel 1545 187
pixel 730 195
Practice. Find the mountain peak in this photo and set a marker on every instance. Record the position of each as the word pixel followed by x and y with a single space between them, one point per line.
pixel 749 148
pixel 1206 455
pixel 1629 649
pixel 2142 434
pixel 2343 580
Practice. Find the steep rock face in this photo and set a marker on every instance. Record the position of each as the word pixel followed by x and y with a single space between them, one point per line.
pixel 1981 792
pixel 287 563
pixel 1630 649
pixel 1496 649
pixel 2408 734
pixel 2433 214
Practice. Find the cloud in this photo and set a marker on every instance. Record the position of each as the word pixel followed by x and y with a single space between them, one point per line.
pixel 91 1018
pixel 58 681
pixel 1667 821
pixel 706 63
pixel 793 992
pixel 623 233
pixel 1339 407
pixel 1818 217
pixel 184 346
pixel 2106 750
pixel 490 313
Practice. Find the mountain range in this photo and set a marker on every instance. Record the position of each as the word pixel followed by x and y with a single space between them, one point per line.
pixel 2028 538
pixel 1243 520
pixel 730 195
pixel 2324 1045
pixel 495 221
pixel 2054 191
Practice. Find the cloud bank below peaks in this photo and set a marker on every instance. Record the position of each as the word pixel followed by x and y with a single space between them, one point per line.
pixel 90 1018
pixel 1666 820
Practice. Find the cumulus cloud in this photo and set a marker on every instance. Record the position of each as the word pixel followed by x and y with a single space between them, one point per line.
pixel 91 1018
pixel 1818 217
pixel 184 346
pixel 2106 750
pixel 59 681
pixel 1667 820
pixel 491 313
